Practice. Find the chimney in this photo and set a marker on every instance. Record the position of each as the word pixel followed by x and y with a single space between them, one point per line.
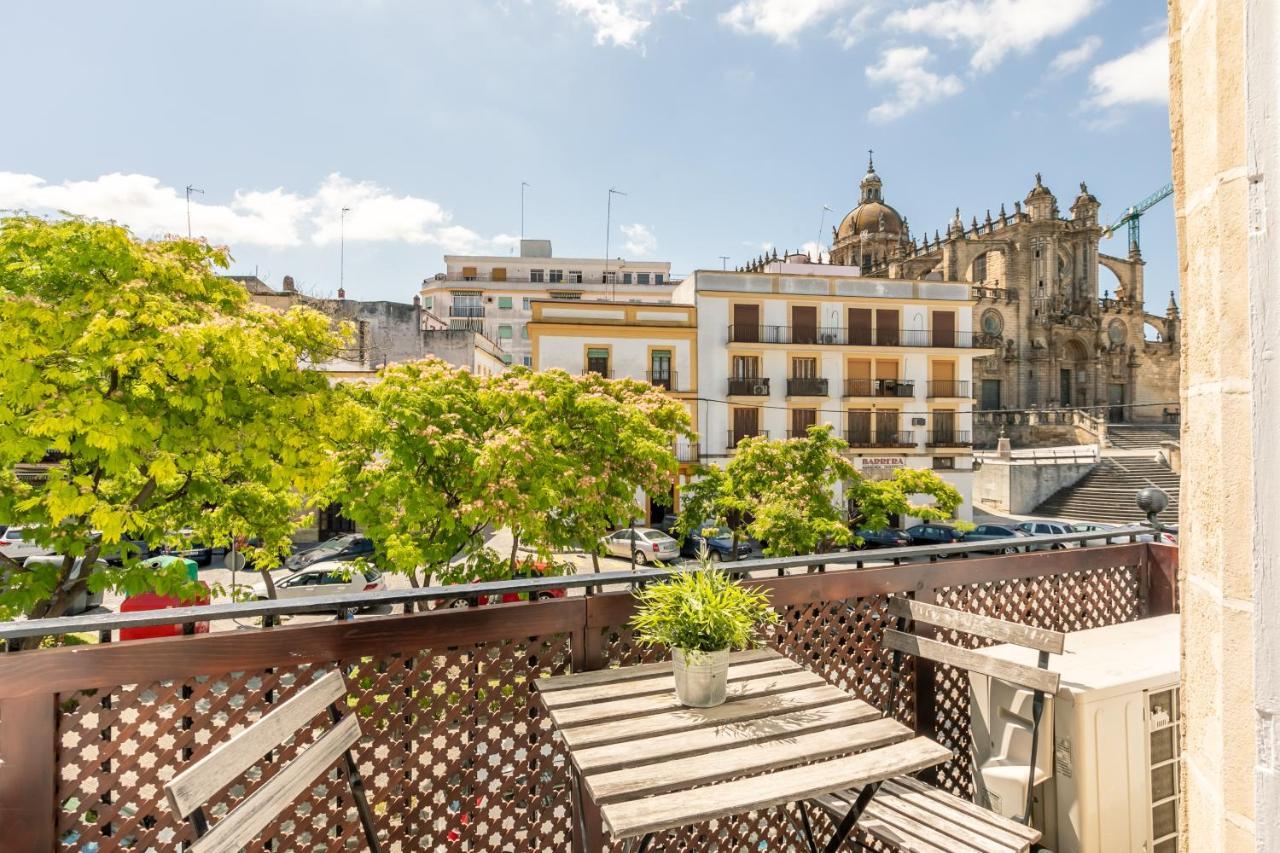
pixel 288 285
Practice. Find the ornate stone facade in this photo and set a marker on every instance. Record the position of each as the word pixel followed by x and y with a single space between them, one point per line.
pixel 1063 338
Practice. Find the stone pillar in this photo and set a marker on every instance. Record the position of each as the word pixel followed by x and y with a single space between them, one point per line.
pixel 1223 70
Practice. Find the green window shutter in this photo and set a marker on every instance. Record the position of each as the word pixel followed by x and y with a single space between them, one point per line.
pixel 506 358
pixel 504 333
pixel 504 301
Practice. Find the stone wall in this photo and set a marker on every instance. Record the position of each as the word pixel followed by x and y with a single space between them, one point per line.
pixel 1018 486
pixel 1222 111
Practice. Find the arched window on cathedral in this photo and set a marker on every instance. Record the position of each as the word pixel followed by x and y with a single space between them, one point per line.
pixel 980 268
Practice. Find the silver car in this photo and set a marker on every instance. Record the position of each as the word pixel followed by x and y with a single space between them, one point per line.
pixel 650 544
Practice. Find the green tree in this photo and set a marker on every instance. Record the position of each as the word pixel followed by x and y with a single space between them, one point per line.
pixel 783 494
pixel 568 454
pixel 408 465
pixel 168 400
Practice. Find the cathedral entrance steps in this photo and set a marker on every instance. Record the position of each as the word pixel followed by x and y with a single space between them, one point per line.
pixel 1108 492
pixel 1141 436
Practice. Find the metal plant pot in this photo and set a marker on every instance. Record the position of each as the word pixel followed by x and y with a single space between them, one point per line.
pixel 701 677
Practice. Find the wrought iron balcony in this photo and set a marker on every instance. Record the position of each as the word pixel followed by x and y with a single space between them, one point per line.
pixel 948 388
pixel 737 435
pixel 665 379
pixel 688 451
pixel 949 438
pixel 810 386
pixel 748 386
pixel 864 438
pixel 879 388
pixel 838 336
pixel 466 310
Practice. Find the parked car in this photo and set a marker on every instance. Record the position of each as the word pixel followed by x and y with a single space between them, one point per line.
pixel 84 599
pixel 1039 527
pixel 16 543
pixel 340 548
pixel 330 577
pixel 933 533
pixel 719 545
pixel 987 532
pixel 890 537
pixel 202 555
pixel 1168 535
pixel 137 549
pixel 650 544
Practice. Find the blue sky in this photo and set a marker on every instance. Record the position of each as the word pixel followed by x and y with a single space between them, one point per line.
pixel 729 123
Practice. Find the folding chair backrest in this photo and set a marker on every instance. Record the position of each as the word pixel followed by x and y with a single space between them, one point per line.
pixel 1038 679
pixel 190 789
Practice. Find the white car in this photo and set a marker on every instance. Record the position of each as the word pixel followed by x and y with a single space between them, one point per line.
pixel 1168 536
pixel 14 543
pixel 84 600
pixel 650 544
pixel 329 578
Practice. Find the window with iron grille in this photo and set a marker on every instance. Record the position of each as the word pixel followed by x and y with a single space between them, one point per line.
pixel 598 361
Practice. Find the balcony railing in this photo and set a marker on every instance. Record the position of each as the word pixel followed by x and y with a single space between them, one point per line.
pixel 838 336
pixel 748 386
pixel 688 451
pixel 466 310
pixel 807 386
pixel 950 438
pixel 607 374
pixel 737 435
pixel 665 379
pixel 879 388
pixel 457 752
pixel 900 438
pixel 948 388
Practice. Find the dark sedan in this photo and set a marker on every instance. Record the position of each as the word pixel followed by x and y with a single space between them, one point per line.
pixel 340 548
pixel 933 533
pixel 719 545
pixel 890 537
pixel 987 532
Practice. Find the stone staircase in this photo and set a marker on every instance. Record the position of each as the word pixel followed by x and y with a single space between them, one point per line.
pixel 1108 492
pixel 1140 436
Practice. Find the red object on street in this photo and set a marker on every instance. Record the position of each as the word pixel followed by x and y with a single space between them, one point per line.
pixel 152 601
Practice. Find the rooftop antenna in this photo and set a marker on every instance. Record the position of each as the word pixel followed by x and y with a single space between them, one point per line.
pixel 822 220
pixel 342 249
pixel 608 227
pixel 523 184
pixel 190 190
pixel 724 262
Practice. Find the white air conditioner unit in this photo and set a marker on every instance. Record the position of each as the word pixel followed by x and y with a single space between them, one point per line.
pixel 760 390
pixel 1107 760
pixel 828 337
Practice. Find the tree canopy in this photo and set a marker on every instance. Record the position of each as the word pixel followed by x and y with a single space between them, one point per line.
pixel 161 396
pixel 783 493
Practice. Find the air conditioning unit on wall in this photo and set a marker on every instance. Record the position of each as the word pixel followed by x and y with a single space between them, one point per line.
pixel 1108 758
pixel 760 390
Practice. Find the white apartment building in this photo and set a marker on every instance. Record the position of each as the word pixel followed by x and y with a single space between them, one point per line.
pixel 494 293
pixel 887 363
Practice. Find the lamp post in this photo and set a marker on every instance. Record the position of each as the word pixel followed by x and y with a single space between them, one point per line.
pixel 608 227
pixel 523 185
pixel 822 220
pixel 190 190
pixel 342 250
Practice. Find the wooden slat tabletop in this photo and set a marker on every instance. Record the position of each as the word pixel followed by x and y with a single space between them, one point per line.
pixel 783 735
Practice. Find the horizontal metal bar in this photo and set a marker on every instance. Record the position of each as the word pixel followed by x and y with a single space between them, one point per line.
pixel 356 601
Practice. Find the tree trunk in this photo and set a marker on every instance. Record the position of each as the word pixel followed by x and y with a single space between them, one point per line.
pixel 595 567
pixel 515 544
pixel 733 546
pixel 270 583
pixel 63 594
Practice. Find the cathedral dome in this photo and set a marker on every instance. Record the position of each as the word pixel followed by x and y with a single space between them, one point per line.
pixel 871 214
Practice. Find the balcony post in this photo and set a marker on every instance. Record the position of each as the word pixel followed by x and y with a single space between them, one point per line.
pixel 925 679
pixel 28 768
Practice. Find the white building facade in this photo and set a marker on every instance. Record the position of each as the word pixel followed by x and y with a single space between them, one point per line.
pixel 494 294
pixel 887 363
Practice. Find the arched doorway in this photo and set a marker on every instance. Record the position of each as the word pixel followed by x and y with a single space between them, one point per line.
pixel 1073 375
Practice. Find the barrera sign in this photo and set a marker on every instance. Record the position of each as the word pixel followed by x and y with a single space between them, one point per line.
pixel 883 461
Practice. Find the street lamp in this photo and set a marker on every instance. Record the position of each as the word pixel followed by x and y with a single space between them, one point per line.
pixel 342 250
pixel 190 190
pixel 608 227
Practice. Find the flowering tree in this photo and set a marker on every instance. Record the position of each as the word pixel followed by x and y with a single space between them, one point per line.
pixel 569 454
pixel 783 494
pixel 162 398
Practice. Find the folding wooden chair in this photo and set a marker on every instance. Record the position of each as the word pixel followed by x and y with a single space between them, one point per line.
pixel 910 815
pixel 190 789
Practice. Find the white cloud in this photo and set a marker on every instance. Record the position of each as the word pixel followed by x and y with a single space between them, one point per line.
pixel 640 239
pixel 621 22
pixel 1135 78
pixel 780 20
pixel 853 29
pixel 993 28
pixel 1071 59
pixel 914 86
pixel 275 218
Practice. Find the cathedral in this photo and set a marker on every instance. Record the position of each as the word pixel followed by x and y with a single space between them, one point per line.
pixel 1062 337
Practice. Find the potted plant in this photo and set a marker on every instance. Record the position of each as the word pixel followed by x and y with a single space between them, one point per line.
pixel 701 615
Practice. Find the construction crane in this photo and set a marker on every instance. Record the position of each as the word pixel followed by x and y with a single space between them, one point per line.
pixel 1134 214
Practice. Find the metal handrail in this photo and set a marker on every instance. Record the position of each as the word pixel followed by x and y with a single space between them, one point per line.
pixel 347 602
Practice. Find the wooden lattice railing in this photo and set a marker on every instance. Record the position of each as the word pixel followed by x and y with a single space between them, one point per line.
pixel 456 753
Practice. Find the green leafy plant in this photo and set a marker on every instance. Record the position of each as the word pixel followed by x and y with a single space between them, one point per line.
pixel 702 610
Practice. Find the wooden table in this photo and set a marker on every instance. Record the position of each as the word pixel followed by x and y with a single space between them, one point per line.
pixel 643 763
